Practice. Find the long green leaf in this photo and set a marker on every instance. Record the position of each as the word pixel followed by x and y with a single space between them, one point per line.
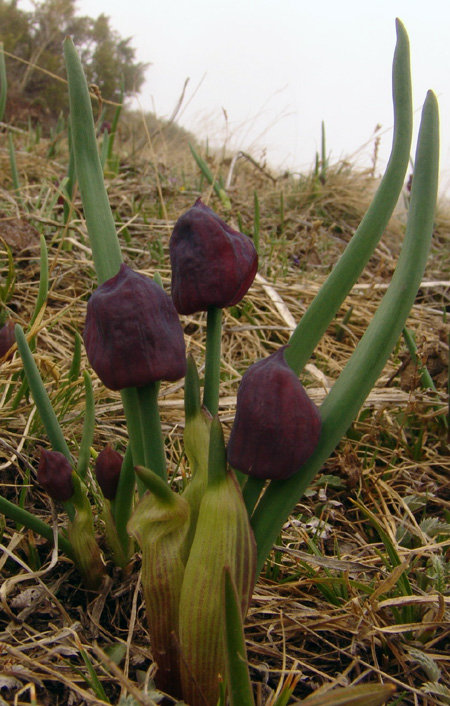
pixel 23 517
pixel 357 253
pixel 40 396
pixel 365 365
pixel 99 219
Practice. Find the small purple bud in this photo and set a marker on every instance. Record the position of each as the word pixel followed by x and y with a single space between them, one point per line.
pixel 277 426
pixel 107 471
pixel 212 264
pixel 7 338
pixel 132 332
pixel 55 475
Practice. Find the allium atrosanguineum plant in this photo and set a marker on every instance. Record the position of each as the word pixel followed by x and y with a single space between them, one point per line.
pixel 199 543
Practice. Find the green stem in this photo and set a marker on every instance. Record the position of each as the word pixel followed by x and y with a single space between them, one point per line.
pixel 357 253
pixel 23 517
pixel 152 438
pixel 365 365
pixel 130 401
pixel 212 362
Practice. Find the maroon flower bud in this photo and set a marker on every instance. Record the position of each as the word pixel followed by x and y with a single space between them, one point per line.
pixel 132 332
pixel 7 338
pixel 107 471
pixel 55 475
pixel 212 264
pixel 277 426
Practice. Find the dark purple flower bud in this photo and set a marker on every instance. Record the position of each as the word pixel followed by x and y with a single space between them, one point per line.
pixel 212 264
pixel 107 471
pixel 132 332
pixel 7 338
pixel 55 475
pixel 277 426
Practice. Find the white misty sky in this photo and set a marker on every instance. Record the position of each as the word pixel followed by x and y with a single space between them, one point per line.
pixel 280 67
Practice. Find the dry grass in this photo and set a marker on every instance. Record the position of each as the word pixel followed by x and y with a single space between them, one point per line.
pixel 356 590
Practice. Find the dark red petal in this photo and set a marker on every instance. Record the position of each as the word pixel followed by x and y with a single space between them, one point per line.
pixel 277 426
pixel 212 264
pixel 107 471
pixel 132 332
pixel 55 475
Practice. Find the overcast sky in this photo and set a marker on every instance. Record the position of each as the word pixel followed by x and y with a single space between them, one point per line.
pixel 280 67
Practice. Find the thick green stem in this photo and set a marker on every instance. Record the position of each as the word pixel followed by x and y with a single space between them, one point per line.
pixel 365 365
pixel 212 362
pixel 130 401
pixel 152 438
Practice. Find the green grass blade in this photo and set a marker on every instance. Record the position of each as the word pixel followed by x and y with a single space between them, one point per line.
pixel 394 558
pixel 74 371
pixel 13 165
pixel 3 82
pixel 323 160
pixel 256 221
pixel 43 281
pixel 238 678
pixel 357 253
pixel 99 219
pixel 365 365
pixel 114 125
pixel 205 170
pixel 93 681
